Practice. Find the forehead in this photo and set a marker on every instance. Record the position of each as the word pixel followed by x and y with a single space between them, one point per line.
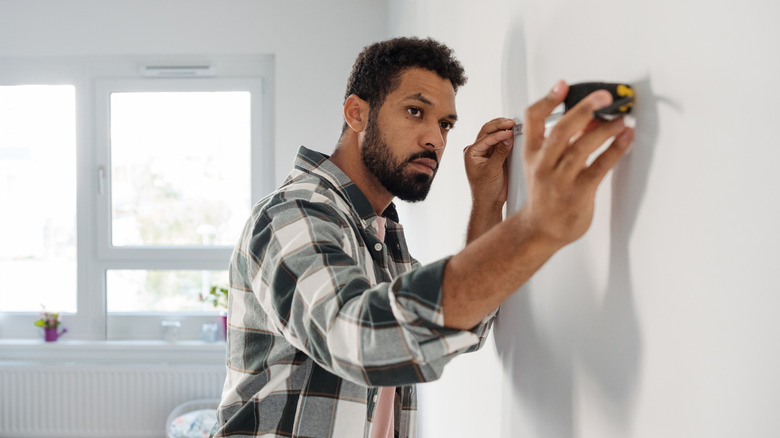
pixel 418 81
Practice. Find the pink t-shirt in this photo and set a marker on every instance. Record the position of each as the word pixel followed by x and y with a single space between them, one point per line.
pixel 384 412
pixel 381 223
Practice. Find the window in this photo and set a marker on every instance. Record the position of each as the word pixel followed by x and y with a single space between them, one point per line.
pixel 38 223
pixel 179 167
pixel 129 180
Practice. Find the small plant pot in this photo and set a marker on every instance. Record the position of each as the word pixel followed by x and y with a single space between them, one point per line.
pixel 51 334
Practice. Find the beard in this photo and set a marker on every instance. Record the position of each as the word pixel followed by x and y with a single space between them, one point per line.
pixel 378 158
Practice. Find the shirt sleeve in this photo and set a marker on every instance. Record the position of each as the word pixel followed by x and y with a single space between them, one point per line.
pixel 321 299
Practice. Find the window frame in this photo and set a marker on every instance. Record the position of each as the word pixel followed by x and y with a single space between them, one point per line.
pixel 94 79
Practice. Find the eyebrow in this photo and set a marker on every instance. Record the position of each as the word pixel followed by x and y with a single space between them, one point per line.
pixel 425 100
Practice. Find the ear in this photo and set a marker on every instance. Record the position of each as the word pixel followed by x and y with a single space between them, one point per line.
pixel 356 113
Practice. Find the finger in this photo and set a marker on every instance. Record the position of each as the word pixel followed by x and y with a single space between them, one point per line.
pixel 596 172
pixel 502 150
pixel 498 124
pixel 572 123
pixel 595 123
pixel 536 114
pixel 483 146
pixel 575 157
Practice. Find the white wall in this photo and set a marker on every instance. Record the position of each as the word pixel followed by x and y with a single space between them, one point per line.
pixel 314 42
pixel 466 401
pixel 662 320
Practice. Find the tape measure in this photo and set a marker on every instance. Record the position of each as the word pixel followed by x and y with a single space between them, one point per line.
pixel 622 98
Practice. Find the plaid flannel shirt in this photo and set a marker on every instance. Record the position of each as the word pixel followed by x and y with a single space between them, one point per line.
pixel 321 313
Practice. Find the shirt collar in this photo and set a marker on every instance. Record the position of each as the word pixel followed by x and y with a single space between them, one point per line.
pixel 318 164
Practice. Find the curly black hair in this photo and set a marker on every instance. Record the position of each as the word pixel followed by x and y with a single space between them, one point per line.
pixel 377 69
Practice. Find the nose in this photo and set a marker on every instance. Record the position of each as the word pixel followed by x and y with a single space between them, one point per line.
pixel 433 138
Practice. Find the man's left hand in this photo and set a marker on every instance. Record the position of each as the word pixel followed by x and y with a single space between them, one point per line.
pixel 486 163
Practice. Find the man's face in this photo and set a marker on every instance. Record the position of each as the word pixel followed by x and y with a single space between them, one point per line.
pixel 405 138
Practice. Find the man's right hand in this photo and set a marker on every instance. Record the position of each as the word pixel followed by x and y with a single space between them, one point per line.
pixel 561 185
pixel 558 210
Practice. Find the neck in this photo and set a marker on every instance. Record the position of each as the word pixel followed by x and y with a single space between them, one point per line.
pixel 347 158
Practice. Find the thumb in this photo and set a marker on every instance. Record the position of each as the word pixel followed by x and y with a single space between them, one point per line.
pixel 491 143
pixel 502 149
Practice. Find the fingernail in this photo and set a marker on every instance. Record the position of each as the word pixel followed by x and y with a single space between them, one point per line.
pixel 627 136
pixel 628 141
pixel 600 99
pixel 556 89
pixel 631 135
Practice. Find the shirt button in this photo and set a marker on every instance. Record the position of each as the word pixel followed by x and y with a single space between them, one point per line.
pixel 378 247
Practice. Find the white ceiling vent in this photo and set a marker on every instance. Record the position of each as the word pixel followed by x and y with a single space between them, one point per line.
pixel 177 71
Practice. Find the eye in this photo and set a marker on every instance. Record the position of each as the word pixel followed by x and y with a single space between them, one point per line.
pixel 414 111
pixel 445 125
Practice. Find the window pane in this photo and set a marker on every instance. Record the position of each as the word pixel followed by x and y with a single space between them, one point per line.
pixel 38 198
pixel 161 291
pixel 180 167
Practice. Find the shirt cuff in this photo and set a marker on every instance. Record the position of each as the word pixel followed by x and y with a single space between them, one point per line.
pixel 415 299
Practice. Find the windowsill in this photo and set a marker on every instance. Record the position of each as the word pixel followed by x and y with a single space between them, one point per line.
pixel 111 352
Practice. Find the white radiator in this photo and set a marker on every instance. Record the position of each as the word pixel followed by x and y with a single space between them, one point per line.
pixel 106 401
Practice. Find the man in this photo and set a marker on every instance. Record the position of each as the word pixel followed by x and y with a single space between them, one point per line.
pixel 331 321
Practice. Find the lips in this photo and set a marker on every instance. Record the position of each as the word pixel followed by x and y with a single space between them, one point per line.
pixel 426 162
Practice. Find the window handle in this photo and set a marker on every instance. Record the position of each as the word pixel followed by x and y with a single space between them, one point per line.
pixel 101 180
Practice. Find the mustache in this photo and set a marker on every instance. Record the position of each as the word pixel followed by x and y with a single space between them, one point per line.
pixel 425 154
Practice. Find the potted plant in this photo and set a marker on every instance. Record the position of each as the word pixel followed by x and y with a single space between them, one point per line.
pixel 49 322
pixel 218 296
